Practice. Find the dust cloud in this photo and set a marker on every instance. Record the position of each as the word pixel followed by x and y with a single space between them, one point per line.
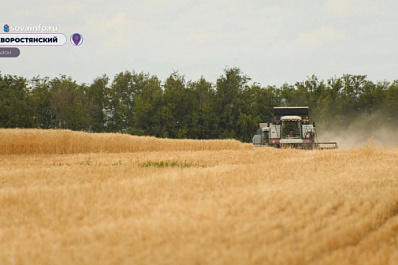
pixel 359 133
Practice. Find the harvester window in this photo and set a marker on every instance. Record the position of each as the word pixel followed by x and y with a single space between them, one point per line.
pixel 291 129
pixel 265 137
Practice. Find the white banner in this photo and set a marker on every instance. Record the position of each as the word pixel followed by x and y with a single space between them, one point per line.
pixel 32 39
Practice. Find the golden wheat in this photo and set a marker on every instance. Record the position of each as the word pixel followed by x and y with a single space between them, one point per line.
pixel 32 141
pixel 192 202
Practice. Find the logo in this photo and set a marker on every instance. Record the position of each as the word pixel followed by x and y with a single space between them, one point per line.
pixel 6 28
pixel 76 39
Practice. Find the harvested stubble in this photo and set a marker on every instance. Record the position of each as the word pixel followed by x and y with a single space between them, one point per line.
pixel 242 206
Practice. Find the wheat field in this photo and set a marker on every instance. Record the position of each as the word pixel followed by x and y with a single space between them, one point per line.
pixel 79 198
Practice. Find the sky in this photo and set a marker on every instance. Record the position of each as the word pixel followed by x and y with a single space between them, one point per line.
pixel 272 41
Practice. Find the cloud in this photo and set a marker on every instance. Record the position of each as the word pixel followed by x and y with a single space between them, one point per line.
pixel 116 31
pixel 119 22
pixel 162 3
pixel 70 8
pixel 24 12
pixel 339 7
pixel 318 37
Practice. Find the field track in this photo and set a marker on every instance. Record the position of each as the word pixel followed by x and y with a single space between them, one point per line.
pixel 79 198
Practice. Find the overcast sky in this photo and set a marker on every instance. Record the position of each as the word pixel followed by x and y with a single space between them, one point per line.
pixel 271 41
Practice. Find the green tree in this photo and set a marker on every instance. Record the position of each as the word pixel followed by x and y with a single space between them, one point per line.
pixel 257 107
pixel 228 90
pixel 178 107
pixel 67 104
pixel 148 107
pixel 95 102
pixel 390 104
pixel 119 102
pixel 40 101
pixel 15 110
pixel 204 116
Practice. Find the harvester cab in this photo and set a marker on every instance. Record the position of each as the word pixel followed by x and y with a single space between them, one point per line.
pixel 291 127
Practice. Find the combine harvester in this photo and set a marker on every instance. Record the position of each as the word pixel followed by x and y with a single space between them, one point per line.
pixel 291 128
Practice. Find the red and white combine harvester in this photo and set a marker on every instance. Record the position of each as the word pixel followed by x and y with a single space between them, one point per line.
pixel 290 128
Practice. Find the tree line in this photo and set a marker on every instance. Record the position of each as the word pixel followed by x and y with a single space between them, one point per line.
pixel 141 104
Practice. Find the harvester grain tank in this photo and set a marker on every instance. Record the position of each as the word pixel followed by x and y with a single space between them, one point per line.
pixel 291 127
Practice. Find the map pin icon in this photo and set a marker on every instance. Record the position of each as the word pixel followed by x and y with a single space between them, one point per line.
pixel 76 38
